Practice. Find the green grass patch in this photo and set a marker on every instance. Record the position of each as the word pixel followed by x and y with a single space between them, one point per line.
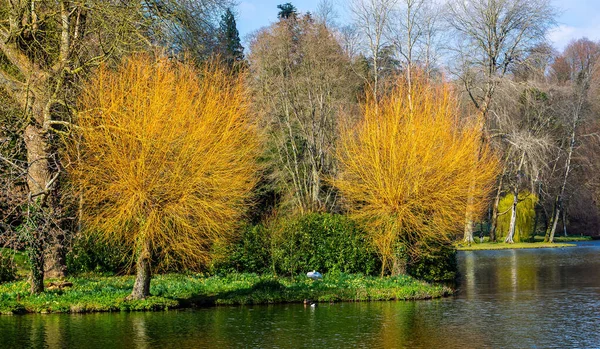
pixel 504 246
pixel 569 238
pixel 107 294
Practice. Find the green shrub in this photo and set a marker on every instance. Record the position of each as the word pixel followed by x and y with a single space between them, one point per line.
pixel 324 242
pixel 525 216
pixel 251 253
pixel 89 254
pixel 436 262
pixel 8 270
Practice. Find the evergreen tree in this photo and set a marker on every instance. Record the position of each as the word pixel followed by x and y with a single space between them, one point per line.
pixel 229 39
pixel 286 11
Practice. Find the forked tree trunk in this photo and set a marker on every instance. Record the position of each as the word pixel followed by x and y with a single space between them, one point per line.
pixel 141 287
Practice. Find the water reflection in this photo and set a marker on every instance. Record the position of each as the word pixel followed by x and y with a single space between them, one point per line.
pixel 506 299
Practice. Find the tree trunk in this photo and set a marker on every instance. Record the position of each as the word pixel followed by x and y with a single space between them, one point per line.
pixel 55 257
pixel 552 227
pixel 41 176
pixel 399 265
pixel 468 237
pixel 535 223
pixel 38 174
pixel 494 220
pixel 513 218
pixel 469 224
pixel 564 221
pixel 141 287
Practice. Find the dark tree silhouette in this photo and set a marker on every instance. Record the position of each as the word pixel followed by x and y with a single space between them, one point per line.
pixel 286 11
pixel 229 39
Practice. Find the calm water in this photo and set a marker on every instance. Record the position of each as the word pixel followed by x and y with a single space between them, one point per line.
pixel 547 298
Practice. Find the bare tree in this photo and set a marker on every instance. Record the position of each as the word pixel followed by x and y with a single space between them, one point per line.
pixel 494 36
pixel 414 32
pixel 302 83
pixel 372 19
pixel 581 60
pixel 522 122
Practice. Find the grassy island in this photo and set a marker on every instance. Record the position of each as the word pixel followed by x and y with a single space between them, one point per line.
pixel 107 294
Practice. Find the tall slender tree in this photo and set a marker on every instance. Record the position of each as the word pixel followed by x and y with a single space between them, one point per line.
pixel 230 46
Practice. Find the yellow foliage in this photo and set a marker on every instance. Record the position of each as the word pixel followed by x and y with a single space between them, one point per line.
pixel 525 223
pixel 408 166
pixel 166 156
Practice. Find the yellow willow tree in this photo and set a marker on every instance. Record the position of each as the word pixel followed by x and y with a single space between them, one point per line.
pixel 166 159
pixel 408 166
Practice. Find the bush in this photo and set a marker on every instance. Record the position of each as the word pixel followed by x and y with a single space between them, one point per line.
pixel 89 254
pixel 8 270
pixel 435 262
pixel 324 242
pixel 250 254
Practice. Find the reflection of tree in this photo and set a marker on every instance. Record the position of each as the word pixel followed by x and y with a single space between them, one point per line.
pixel 140 335
pixel 469 275
pixel 55 330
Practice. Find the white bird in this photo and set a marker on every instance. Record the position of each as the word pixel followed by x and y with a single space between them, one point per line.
pixel 314 275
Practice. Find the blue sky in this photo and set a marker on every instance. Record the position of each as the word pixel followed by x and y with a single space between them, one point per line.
pixel 577 18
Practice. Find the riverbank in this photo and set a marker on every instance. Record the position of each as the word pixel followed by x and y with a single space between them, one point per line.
pixel 505 246
pixel 538 242
pixel 107 294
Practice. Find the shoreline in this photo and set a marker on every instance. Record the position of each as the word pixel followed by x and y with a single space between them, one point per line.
pixel 493 246
pixel 559 242
pixel 178 291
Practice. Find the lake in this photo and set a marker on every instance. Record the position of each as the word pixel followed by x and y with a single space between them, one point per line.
pixel 537 298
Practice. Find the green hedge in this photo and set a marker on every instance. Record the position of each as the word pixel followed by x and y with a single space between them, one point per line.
pixel 317 241
pixel 435 263
pixel 324 242
pixel 251 253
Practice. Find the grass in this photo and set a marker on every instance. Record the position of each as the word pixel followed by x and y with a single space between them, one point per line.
pixel 569 238
pixel 504 246
pixel 107 294
pixel 538 242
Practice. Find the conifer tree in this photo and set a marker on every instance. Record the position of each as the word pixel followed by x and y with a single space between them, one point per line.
pixel 286 11
pixel 231 48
